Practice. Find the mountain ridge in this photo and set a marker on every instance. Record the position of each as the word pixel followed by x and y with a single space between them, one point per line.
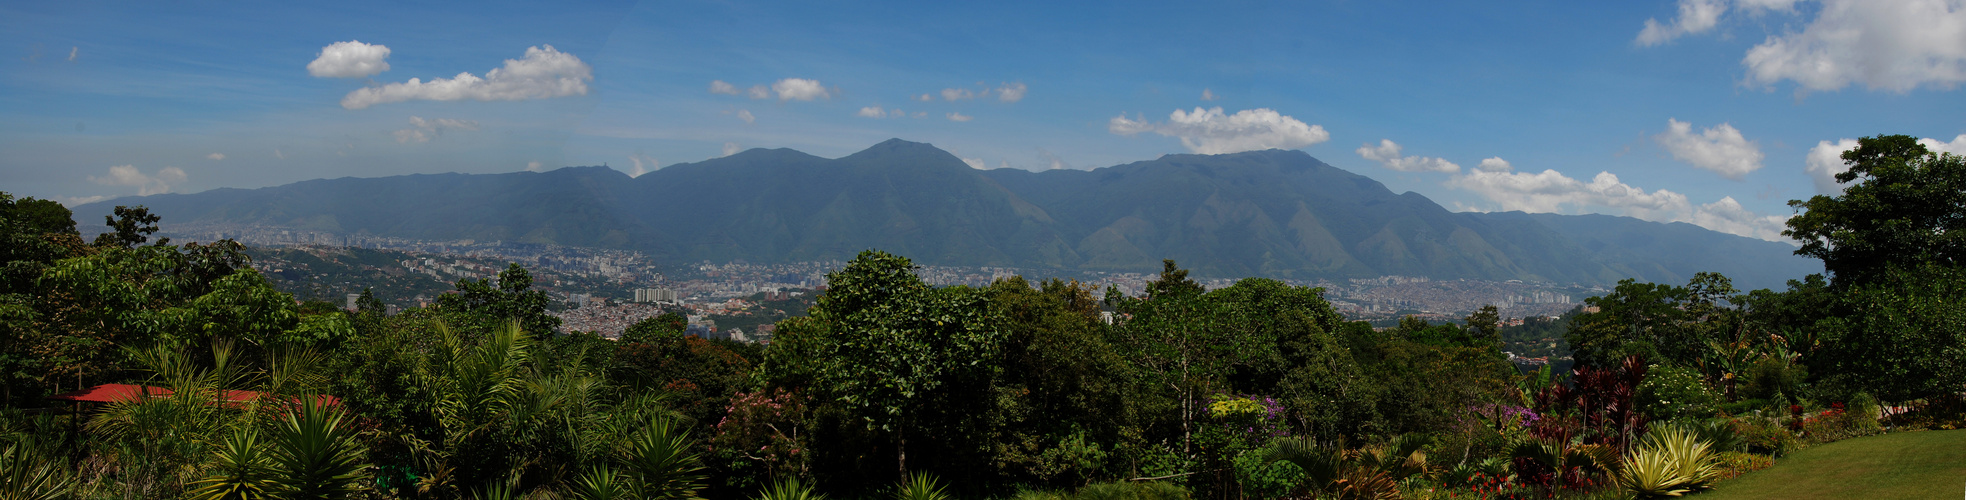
pixel 1272 213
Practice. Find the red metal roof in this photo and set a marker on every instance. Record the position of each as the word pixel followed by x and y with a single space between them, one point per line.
pixel 107 393
pixel 111 392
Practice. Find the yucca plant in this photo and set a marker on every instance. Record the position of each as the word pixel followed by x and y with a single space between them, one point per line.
pixel 659 462
pixel 920 486
pixel 789 489
pixel 315 453
pixel 1564 457
pixel 1369 473
pixel 1670 462
pixel 601 483
pixel 241 469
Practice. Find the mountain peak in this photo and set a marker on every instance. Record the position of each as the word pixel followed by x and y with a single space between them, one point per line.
pixel 897 150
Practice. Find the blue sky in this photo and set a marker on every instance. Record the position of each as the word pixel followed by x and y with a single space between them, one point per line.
pixel 1714 112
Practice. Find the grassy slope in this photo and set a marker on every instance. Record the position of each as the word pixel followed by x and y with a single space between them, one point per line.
pixel 1930 464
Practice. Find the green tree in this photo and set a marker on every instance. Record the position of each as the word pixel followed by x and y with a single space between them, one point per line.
pixel 487 304
pixel 886 345
pixel 131 226
pixel 1902 206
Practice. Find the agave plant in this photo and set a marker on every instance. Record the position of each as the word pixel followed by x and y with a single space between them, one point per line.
pixel 920 486
pixel 601 483
pixel 789 489
pixel 1670 462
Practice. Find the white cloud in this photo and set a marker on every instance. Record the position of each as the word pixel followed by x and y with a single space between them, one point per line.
pixel 543 73
pixel 1720 149
pixel 72 52
pixel 1695 16
pixel 215 156
pixel 1011 92
pixel 800 89
pixel 1208 95
pixel 976 163
pixel 959 117
pixel 1387 154
pixel 745 114
pixel 71 201
pixel 925 98
pixel 731 148
pixel 128 175
pixel 423 130
pixel 1728 216
pixel 871 112
pixel 959 94
pixel 720 87
pixel 1552 192
pixel 278 154
pixel 350 59
pixel 1825 161
pixel 1894 45
pixel 643 164
pixel 534 166
pixel 1209 131
pixel 921 114
pixel 759 92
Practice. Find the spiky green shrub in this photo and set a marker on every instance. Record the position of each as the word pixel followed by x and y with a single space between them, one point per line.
pixel 789 489
pixel 1669 462
pixel 315 453
pixel 920 486
pixel 240 469
pixel 26 475
pixel 659 464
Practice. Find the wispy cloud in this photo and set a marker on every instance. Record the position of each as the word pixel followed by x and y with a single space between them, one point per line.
pixel 128 175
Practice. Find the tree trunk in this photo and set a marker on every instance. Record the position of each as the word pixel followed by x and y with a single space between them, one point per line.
pixel 901 431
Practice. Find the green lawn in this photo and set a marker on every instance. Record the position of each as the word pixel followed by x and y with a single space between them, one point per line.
pixel 1928 464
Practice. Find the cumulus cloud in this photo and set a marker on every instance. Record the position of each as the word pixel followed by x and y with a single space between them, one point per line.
pixel 215 156
pixel 959 117
pixel 745 114
pixel 71 201
pixel 1893 45
pixel 1728 216
pixel 1826 159
pixel 721 87
pixel 925 98
pixel 1387 154
pixel 535 166
pixel 800 89
pixel 1209 131
pixel 1720 149
pixel 1208 95
pixel 350 59
pixel 1695 16
pixel 128 175
pixel 731 148
pixel 1011 92
pixel 976 163
pixel 1552 192
pixel 422 130
pixel 872 112
pixel 544 73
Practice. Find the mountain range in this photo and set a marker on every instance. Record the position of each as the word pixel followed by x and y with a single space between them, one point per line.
pixel 1274 213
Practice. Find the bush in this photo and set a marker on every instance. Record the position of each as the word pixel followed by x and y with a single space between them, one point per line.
pixel 1672 393
pixel 1765 436
pixel 1746 406
pixel 1734 463
pixel 1840 422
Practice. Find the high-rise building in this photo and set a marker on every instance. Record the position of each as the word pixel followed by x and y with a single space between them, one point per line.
pixel 352 298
